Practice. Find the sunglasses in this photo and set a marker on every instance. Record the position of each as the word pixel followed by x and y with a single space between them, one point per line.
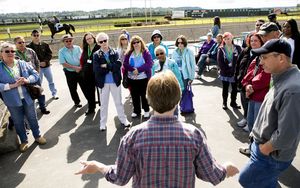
pixel 136 42
pixel 103 41
pixel 180 42
pixel 68 41
pixel 258 25
pixel 124 39
pixel 36 35
pixel 20 42
pixel 9 51
pixel 158 54
pixel 156 36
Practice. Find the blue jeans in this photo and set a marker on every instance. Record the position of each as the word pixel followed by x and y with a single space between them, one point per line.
pixel 253 109
pixel 48 74
pixel 261 171
pixel 18 114
pixel 202 63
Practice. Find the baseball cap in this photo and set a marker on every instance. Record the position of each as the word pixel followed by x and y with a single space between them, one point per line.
pixel 267 28
pixel 274 45
pixel 271 16
pixel 65 37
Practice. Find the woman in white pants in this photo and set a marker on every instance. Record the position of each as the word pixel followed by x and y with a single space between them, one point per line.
pixel 107 69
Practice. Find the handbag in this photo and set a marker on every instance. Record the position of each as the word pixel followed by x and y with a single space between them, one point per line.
pixel 186 102
pixel 125 80
pixel 34 90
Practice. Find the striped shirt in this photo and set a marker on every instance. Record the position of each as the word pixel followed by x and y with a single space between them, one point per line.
pixel 164 152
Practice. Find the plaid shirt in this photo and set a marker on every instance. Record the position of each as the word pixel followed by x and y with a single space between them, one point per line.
pixel 164 152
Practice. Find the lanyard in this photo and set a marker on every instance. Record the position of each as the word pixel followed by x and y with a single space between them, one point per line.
pixel 22 55
pixel 8 70
pixel 90 51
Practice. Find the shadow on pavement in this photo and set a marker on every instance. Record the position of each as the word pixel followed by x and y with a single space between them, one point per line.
pixel 10 176
pixel 290 177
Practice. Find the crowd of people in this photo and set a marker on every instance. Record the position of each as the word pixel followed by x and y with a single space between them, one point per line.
pixel 163 152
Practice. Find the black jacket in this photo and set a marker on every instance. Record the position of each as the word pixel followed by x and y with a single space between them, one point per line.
pixel 43 52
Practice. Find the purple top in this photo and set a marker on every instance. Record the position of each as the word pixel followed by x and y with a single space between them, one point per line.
pixel 144 68
pixel 164 152
pixel 205 47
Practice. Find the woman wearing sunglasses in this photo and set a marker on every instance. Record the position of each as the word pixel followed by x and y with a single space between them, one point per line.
pixel 14 75
pixel 138 64
pixel 185 59
pixel 107 69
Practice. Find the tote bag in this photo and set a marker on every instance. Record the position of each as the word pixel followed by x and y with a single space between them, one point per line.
pixel 186 103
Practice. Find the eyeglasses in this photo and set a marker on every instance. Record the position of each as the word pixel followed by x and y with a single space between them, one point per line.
pixel 9 51
pixel 89 38
pixel 136 42
pixel 68 41
pixel 258 25
pixel 36 35
pixel 123 38
pixel 22 42
pixel 103 41
pixel 158 54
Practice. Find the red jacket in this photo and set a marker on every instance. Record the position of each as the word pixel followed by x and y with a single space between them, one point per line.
pixel 260 82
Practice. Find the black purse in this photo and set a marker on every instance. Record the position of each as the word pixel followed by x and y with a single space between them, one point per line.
pixel 34 90
pixel 125 80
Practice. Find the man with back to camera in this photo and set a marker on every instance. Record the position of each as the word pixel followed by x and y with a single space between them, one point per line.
pixel 162 152
pixel 44 54
pixel 276 131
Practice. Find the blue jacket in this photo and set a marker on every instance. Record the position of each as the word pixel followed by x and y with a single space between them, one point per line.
pixel 151 49
pixel 11 97
pixel 169 65
pixel 188 63
pixel 114 66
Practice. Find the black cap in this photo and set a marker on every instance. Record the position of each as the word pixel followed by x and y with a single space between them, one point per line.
pixel 271 16
pixel 267 28
pixel 274 45
pixel 34 31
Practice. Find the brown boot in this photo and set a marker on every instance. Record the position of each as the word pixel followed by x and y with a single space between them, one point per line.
pixel 41 140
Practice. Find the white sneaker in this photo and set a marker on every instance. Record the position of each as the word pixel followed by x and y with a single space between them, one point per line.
pixel 146 114
pixel 55 97
pixel 242 123
pixel 102 128
pixel 246 128
pixel 133 115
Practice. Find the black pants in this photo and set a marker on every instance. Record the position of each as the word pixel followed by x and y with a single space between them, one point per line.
pixel 225 92
pixel 89 88
pixel 138 94
pixel 74 78
pixel 244 102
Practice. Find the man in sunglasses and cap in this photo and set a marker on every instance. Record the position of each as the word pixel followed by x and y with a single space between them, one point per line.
pixel 276 131
pixel 69 58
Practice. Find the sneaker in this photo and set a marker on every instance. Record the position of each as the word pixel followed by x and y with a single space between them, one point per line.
pixel 234 105
pixel 78 105
pixel 199 77
pixel 245 151
pixel 133 115
pixel 23 147
pixel 242 123
pixel 126 125
pixel 41 140
pixel 55 97
pixel 102 128
pixel 146 114
pixel 246 128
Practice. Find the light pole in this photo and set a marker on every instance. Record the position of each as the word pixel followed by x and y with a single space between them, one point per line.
pixel 150 13
pixel 131 10
pixel 146 11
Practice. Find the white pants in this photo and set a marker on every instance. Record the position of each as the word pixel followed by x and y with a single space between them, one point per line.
pixel 117 97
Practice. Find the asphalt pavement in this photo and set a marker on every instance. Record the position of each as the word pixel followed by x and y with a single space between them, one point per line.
pixel 73 137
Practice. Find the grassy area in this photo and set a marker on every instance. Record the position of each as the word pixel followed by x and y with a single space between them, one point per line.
pixel 82 26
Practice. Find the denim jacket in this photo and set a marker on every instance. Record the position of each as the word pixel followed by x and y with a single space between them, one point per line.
pixel 11 97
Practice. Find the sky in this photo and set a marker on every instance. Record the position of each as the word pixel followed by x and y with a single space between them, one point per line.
pixel 17 6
